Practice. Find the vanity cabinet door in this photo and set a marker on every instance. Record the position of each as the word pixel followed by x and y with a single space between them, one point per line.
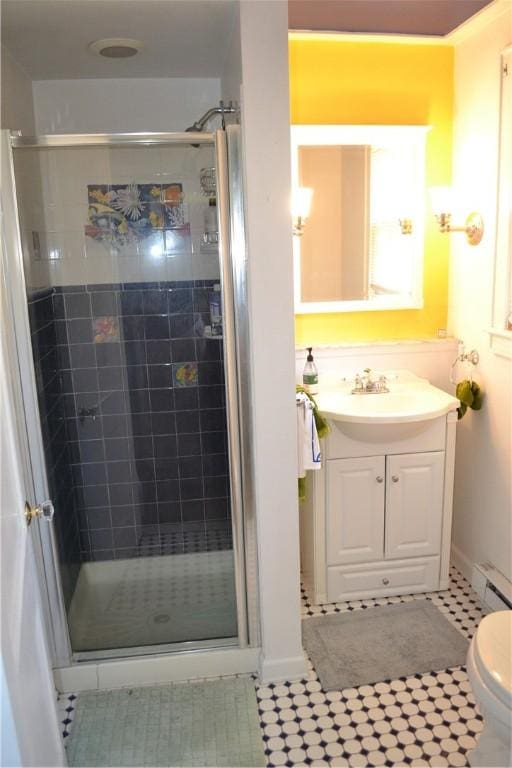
pixel 355 510
pixel 414 504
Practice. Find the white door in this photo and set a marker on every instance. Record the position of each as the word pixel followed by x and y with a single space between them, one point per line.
pixel 355 510
pixel 32 735
pixel 414 504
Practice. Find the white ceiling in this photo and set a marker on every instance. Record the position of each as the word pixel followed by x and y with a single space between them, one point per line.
pixel 183 38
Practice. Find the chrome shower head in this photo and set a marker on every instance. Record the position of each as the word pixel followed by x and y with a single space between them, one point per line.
pixel 195 127
pixel 199 125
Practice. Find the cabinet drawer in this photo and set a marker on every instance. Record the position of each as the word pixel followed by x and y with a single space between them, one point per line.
pixel 382 579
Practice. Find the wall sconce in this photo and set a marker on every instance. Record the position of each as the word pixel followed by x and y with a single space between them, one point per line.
pixel 405 226
pixel 301 207
pixel 441 207
pixel 404 204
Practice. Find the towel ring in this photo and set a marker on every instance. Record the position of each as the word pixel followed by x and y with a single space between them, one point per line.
pixel 470 357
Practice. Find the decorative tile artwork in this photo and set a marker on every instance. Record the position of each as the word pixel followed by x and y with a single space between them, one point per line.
pixel 122 216
pixel 185 375
pixel 105 329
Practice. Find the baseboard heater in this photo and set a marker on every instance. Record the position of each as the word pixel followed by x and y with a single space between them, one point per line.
pixel 492 586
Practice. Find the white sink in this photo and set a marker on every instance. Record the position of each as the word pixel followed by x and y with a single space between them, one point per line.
pixel 409 399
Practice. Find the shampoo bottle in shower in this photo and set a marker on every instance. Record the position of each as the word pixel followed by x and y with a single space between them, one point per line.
pixel 211 227
pixel 310 374
pixel 216 310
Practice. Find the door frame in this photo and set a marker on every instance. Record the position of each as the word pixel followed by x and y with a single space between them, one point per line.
pixel 233 266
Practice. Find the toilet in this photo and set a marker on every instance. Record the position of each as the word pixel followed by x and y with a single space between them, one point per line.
pixel 489 668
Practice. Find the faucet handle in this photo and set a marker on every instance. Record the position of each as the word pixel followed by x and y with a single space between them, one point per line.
pixel 368 374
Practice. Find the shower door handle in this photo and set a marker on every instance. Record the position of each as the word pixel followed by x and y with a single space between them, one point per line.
pixel 45 510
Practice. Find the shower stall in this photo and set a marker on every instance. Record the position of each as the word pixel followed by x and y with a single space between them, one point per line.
pixel 129 292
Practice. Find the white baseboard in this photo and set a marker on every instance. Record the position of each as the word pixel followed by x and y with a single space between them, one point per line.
pixel 155 670
pixel 462 563
pixel 279 670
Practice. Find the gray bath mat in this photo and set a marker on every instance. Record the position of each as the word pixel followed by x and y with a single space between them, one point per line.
pixel 213 723
pixel 376 644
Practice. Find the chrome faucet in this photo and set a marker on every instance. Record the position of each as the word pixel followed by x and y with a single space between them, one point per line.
pixel 367 385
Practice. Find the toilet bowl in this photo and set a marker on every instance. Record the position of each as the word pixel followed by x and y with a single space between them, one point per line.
pixel 489 667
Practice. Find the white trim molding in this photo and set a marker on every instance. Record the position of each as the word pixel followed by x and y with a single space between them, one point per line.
pixel 462 563
pixel 156 670
pixel 500 335
pixel 279 670
pixel 385 347
pixel 501 342
pixel 357 37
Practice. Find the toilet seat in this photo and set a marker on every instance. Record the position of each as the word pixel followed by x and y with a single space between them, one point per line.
pixel 492 654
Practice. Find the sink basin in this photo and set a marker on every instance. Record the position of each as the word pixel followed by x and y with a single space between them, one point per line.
pixel 409 400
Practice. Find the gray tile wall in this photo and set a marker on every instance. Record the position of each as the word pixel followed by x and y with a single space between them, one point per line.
pixel 55 438
pixel 144 405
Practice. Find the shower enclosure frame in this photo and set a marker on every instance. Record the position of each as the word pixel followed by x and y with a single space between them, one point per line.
pixel 233 269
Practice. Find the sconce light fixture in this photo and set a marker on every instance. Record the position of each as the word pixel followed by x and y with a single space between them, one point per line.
pixel 301 207
pixel 441 206
pixel 405 226
pixel 403 203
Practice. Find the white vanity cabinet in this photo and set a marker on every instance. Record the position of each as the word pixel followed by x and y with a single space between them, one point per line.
pixel 354 510
pixel 377 517
pixel 414 504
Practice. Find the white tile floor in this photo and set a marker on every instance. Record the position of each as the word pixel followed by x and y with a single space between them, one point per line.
pixel 423 720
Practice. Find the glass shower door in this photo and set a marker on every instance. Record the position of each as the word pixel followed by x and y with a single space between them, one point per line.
pixel 125 300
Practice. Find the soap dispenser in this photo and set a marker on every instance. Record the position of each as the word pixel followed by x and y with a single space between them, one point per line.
pixel 310 374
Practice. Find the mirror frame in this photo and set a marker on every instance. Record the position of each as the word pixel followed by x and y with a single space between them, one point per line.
pixel 388 135
pixel 500 336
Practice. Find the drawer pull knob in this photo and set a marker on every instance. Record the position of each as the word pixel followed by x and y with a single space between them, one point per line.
pixel 385 581
pixel 380 479
pixel 395 478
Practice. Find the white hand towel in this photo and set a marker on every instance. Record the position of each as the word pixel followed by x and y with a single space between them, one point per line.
pixel 307 436
pixel 301 409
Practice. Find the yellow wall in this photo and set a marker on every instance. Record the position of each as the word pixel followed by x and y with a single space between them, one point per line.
pixel 333 81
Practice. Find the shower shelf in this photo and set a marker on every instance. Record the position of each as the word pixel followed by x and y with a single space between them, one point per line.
pixel 209 242
pixel 208 182
pixel 214 249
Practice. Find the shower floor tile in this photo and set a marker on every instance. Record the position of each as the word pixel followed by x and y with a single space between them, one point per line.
pixel 211 540
pixel 211 723
pixel 152 600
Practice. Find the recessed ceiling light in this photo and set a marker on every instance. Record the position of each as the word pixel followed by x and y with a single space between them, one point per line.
pixel 116 47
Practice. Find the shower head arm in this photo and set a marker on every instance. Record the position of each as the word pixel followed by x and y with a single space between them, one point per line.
pixel 199 125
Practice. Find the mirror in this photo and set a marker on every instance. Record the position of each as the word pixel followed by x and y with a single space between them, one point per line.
pixel 361 247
